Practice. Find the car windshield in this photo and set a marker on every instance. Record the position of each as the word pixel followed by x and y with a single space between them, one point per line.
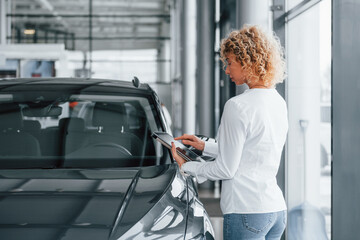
pixel 40 129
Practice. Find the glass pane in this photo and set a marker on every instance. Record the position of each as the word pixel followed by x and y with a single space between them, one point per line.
pixel 309 139
pixel 60 126
pixel 115 26
pixel 123 65
pixel 36 68
pixel 59 22
pixel 9 69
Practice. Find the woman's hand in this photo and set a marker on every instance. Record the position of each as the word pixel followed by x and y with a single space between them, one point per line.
pixel 176 156
pixel 193 141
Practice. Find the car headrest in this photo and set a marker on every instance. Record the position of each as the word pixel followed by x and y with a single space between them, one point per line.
pixel 110 116
pixel 10 117
pixel 72 124
pixel 32 125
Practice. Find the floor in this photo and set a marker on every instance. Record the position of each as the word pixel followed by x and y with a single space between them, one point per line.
pixel 217 223
pixel 211 201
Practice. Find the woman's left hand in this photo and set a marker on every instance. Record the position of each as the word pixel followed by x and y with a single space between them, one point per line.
pixel 176 156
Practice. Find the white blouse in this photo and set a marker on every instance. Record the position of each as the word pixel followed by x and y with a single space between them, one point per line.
pixel 250 140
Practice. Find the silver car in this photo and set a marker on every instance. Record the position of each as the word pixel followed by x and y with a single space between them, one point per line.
pixel 77 161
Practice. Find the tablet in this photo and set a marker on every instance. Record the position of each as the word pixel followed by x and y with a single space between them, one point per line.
pixel 166 139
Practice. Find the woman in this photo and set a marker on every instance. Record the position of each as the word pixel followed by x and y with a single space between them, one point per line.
pixel 250 138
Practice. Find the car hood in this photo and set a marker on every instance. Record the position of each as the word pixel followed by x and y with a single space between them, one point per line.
pixel 78 203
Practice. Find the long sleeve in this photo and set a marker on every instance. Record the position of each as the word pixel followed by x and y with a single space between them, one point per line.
pixel 250 141
pixel 211 149
pixel 231 138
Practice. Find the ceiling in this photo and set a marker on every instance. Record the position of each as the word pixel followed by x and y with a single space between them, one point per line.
pixel 111 24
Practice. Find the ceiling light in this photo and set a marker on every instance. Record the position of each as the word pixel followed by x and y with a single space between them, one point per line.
pixel 29 31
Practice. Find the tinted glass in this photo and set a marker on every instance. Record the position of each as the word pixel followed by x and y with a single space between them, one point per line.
pixel 56 130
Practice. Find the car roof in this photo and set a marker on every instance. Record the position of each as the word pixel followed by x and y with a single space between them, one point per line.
pixel 75 82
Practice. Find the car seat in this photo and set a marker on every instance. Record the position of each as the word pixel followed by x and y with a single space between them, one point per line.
pixel 13 141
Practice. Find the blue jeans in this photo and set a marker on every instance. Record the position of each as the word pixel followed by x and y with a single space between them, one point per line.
pixel 255 226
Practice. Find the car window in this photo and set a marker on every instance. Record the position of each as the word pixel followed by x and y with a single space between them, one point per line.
pixel 78 130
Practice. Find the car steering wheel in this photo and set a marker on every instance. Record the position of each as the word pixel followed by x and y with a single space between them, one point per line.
pixel 118 147
pixel 92 150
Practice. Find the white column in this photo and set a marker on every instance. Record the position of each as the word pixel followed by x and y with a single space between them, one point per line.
pixel 164 54
pixel 189 68
pixel 254 12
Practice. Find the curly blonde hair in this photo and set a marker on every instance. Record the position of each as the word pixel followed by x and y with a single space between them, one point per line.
pixel 259 53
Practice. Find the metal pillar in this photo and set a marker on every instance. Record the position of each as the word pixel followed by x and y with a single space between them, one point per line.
pixel 227 23
pixel 345 214
pixel 163 56
pixel 252 12
pixel 90 36
pixel 189 68
pixel 278 10
pixel 205 71
pixel 177 39
pixel 3 25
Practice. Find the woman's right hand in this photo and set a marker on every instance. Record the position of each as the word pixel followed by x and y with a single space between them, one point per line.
pixel 192 140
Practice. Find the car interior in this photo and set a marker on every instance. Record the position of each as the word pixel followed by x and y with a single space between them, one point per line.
pixel 111 130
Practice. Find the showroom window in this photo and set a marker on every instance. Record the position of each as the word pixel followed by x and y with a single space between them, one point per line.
pixel 112 40
pixel 308 158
